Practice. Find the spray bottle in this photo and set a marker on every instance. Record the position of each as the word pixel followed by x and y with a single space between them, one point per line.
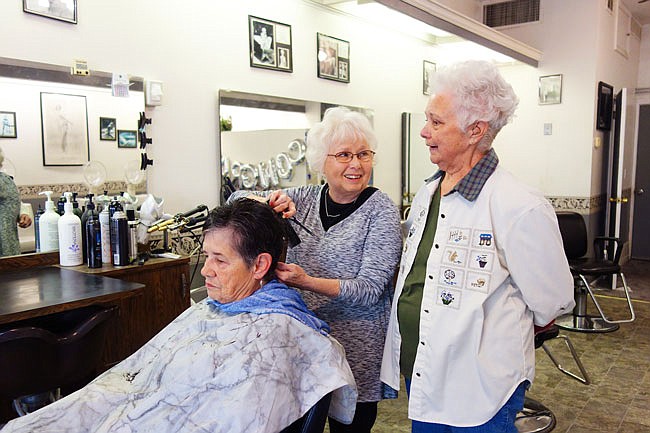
pixel 48 226
pixel 105 228
pixel 37 217
pixel 70 241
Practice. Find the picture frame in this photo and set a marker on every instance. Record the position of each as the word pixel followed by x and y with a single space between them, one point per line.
pixel 550 89
pixel 127 138
pixel 428 68
pixel 62 10
pixel 107 128
pixel 270 44
pixel 64 129
pixel 8 124
pixel 605 106
pixel 332 58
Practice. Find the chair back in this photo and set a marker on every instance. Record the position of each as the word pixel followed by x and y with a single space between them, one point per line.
pixel 314 420
pixel 574 234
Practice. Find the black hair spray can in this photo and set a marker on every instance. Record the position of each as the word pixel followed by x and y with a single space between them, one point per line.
pixel 120 238
pixel 93 240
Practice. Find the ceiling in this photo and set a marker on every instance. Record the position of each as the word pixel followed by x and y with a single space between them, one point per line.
pixel 640 11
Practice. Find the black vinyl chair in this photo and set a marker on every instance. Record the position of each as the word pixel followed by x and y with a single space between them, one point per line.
pixel 586 270
pixel 314 420
pixel 42 356
pixel 535 417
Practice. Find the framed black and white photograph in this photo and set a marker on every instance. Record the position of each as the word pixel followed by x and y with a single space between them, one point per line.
pixel 127 138
pixel 333 58
pixel 8 124
pixel 550 89
pixel 428 68
pixel 270 44
pixel 64 123
pixel 107 128
pixel 605 106
pixel 62 10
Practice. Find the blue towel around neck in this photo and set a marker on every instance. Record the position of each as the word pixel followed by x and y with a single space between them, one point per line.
pixel 275 297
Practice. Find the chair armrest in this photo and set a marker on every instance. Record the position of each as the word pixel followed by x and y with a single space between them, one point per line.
pixel 602 242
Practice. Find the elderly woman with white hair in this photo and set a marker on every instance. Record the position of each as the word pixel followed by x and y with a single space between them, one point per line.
pixel 350 245
pixel 482 264
pixel 10 216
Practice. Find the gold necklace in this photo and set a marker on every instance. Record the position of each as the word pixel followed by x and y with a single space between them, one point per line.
pixel 326 211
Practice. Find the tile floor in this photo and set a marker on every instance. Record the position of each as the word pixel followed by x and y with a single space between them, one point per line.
pixel 617 400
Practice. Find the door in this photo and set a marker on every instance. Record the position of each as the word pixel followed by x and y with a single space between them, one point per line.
pixel 641 221
pixel 620 188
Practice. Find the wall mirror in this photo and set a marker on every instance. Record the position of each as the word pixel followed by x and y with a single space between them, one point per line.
pixel 62 113
pixel 416 166
pixel 262 139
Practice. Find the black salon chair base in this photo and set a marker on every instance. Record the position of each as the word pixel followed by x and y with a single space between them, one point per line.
pixel 535 418
pixel 586 323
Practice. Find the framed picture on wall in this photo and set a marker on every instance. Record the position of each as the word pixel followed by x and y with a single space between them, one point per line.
pixel 64 123
pixel 428 68
pixel 62 10
pixel 107 128
pixel 127 138
pixel 333 58
pixel 550 89
pixel 270 44
pixel 605 104
pixel 8 124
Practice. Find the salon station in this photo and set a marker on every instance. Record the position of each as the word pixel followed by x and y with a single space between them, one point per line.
pixel 164 110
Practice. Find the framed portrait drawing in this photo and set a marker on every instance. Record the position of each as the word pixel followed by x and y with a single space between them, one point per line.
pixel 62 10
pixel 333 58
pixel 64 127
pixel 428 68
pixel 605 104
pixel 550 89
pixel 8 124
pixel 270 44
pixel 107 128
pixel 127 138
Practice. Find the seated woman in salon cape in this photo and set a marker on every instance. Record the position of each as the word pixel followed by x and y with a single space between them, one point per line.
pixel 249 358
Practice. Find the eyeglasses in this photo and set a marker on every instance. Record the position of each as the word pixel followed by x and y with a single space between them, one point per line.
pixel 363 156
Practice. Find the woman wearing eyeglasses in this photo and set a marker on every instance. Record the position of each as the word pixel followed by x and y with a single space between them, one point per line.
pixel 349 249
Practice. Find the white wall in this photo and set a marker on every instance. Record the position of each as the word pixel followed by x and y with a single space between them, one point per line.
pixel 197 50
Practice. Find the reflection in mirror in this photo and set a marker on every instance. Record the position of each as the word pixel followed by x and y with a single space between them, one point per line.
pixel 263 140
pixel 416 166
pixel 22 84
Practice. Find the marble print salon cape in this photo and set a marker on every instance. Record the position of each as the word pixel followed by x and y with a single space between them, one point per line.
pixel 209 372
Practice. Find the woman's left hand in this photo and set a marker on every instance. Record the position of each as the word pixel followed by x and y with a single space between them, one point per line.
pixel 24 221
pixel 291 274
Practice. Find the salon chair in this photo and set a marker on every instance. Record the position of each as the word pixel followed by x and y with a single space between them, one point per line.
pixel 314 420
pixel 44 356
pixel 535 417
pixel 586 271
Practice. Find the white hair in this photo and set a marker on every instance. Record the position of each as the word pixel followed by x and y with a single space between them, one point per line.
pixel 479 93
pixel 339 125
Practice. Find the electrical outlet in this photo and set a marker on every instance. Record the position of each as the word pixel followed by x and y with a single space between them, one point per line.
pixel 80 67
pixel 548 129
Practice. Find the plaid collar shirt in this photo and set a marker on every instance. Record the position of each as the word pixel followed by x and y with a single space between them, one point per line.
pixel 471 185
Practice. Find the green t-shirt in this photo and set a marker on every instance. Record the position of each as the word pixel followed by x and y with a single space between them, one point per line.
pixel 410 300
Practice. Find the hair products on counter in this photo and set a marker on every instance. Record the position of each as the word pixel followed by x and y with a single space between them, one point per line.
pixel 92 235
pixel 48 226
pixel 120 238
pixel 70 242
pixel 37 217
pixel 105 228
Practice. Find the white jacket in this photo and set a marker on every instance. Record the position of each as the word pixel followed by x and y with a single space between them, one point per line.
pixel 496 267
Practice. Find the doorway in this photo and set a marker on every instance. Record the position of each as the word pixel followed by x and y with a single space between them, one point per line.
pixel 641 215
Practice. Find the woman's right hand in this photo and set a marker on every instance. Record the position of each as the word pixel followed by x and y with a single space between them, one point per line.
pixel 282 203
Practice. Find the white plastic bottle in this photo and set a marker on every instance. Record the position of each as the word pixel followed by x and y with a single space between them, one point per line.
pixel 70 240
pixel 48 226
pixel 105 228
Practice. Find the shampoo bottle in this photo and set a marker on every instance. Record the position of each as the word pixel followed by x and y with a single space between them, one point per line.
pixel 48 226
pixel 105 228
pixel 37 217
pixel 92 237
pixel 70 243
